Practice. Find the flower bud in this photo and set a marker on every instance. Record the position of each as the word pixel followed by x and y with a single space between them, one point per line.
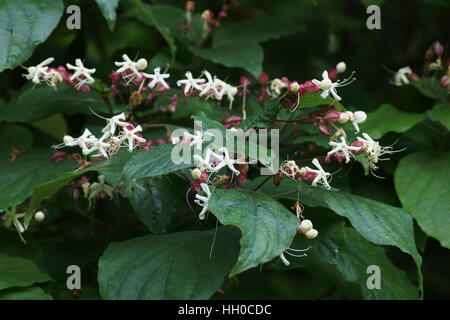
pixel 445 81
pixel 263 78
pixel 360 145
pixel 343 117
pixel 332 116
pixel 39 216
pixel 341 67
pixel 196 173
pixel 207 15
pixel 294 86
pixel 67 139
pixel 305 226
pixel 360 116
pixel 189 6
pixel 244 81
pixel 311 234
pixel 324 129
pixel 332 74
pixel 142 64
pixel 438 48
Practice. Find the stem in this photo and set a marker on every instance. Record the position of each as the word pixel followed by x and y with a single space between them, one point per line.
pixel 284 194
pixel 263 182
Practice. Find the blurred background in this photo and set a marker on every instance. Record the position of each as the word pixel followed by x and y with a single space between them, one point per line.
pixel 328 31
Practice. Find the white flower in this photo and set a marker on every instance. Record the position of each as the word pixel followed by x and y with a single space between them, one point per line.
pixel 225 161
pixel 82 74
pixel 341 67
pixel 114 122
pixel 321 175
pixel 157 78
pixel 204 164
pixel 401 77
pixel 100 186
pixel 100 146
pixel 203 201
pixel 222 88
pixel 375 151
pixel 196 138
pixel 342 149
pixel 275 87
pixel 85 140
pixel 36 72
pixel 190 83
pixel 133 66
pixel 53 78
pixel 327 86
pixel 209 86
pixel 131 136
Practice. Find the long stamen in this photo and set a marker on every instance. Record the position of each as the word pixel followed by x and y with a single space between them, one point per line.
pixel 299 250
pixel 346 81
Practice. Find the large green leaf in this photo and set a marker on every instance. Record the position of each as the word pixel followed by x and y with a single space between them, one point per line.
pixel 154 162
pixel 112 170
pixel 238 54
pixel 31 168
pixel 267 227
pixel 19 272
pixel 29 293
pixel 375 221
pixel 264 119
pixel 155 201
pixel 147 15
pixel 24 25
pixel 342 256
pixel 422 181
pixel 440 113
pixel 257 29
pixel 388 119
pixel 311 100
pixel 108 9
pixel 183 265
pixel 16 136
pixel 431 88
pixel 43 101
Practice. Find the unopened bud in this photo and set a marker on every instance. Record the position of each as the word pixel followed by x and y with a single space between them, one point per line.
pixel 311 234
pixel 189 6
pixel 341 67
pixel 263 78
pixel 142 64
pixel 343 117
pixel 294 86
pixel 207 15
pixel 196 173
pixel 305 226
pixel 39 216
pixel 438 48
pixel 360 116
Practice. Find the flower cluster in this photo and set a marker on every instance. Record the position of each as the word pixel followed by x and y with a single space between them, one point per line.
pixel 318 176
pixel 210 87
pixel 109 143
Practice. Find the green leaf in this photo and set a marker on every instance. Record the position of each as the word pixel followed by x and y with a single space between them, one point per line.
pixel 257 29
pixel 238 54
pixel 264 119
pixel 440 113
pixel 23 26
pixel 55 126
pixel 157 200
pixel 31 168
pixel 267 227
pixel 19 272
pixel 29 293
pixel 16 136
pixel 146 13
pixel 376 221
pixel 389 119
pixel 342 256
pixel 108 9
pixel 43 101
pixel 112 170
pixel 431 88
pixel 175 266
pixel 422 184
pixel 154 162
pixel 311 100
